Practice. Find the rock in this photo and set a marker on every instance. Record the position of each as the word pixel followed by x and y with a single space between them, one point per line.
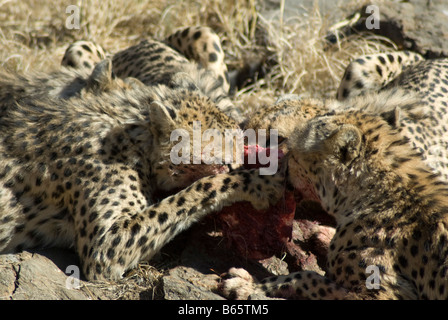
pixel 33 276
pixel 28 276
pixel 275 266
pixel 270 9
pixel 184 283
pixel 416 25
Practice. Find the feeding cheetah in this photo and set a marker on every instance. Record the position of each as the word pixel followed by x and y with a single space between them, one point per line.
pixel 377 163
pixel 402 78
pixel 83 153
pixel 391 213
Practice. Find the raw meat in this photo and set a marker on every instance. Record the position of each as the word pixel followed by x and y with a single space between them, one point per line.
pixel 258 234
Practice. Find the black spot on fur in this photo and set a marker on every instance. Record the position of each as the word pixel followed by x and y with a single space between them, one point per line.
pixel 86 47
pixel 213 57
pixel 379 70
pixel 197 35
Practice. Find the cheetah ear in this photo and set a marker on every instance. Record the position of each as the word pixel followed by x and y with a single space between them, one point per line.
pixel 133 82
pixel 162 116
pixel 346 142
pixel 392 117
pixel 102 76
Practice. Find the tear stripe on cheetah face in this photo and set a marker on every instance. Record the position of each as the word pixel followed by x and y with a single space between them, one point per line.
pixel 415 102
pixel 397 106
pixel 82 171
pixel 426 78
pixel 167 108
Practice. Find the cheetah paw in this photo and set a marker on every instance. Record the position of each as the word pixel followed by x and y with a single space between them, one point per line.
pixel 238 284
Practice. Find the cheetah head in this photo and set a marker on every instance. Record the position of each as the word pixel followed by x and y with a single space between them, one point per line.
pixel 339 159
pixel 190 138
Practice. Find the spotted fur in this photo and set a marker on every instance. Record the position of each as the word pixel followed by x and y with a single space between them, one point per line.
pixel 83 158
pixel 377 161
pixel 193 50
pixel 203 45
pixel 373 72
pixel 83 55
pixel 416 82
pixel 391 212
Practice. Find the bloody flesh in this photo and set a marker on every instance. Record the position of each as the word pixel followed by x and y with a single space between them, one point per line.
pixel 258 234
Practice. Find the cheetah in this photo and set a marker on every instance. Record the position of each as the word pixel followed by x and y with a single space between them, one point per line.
pixel 196 51
pixel 391 212
pixel 83 156
pixel 404 78
pixel 387 190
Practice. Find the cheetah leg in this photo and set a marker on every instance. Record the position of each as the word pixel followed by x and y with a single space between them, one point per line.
pixel 373 72
pixel 128 240
pixel 202 45
pixel 299 285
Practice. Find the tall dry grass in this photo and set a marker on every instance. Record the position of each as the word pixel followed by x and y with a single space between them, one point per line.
pixel 33 36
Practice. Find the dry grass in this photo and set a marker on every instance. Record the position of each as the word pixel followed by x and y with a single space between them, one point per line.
pixel 33 36
pixel 306 63
pixel 142 283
